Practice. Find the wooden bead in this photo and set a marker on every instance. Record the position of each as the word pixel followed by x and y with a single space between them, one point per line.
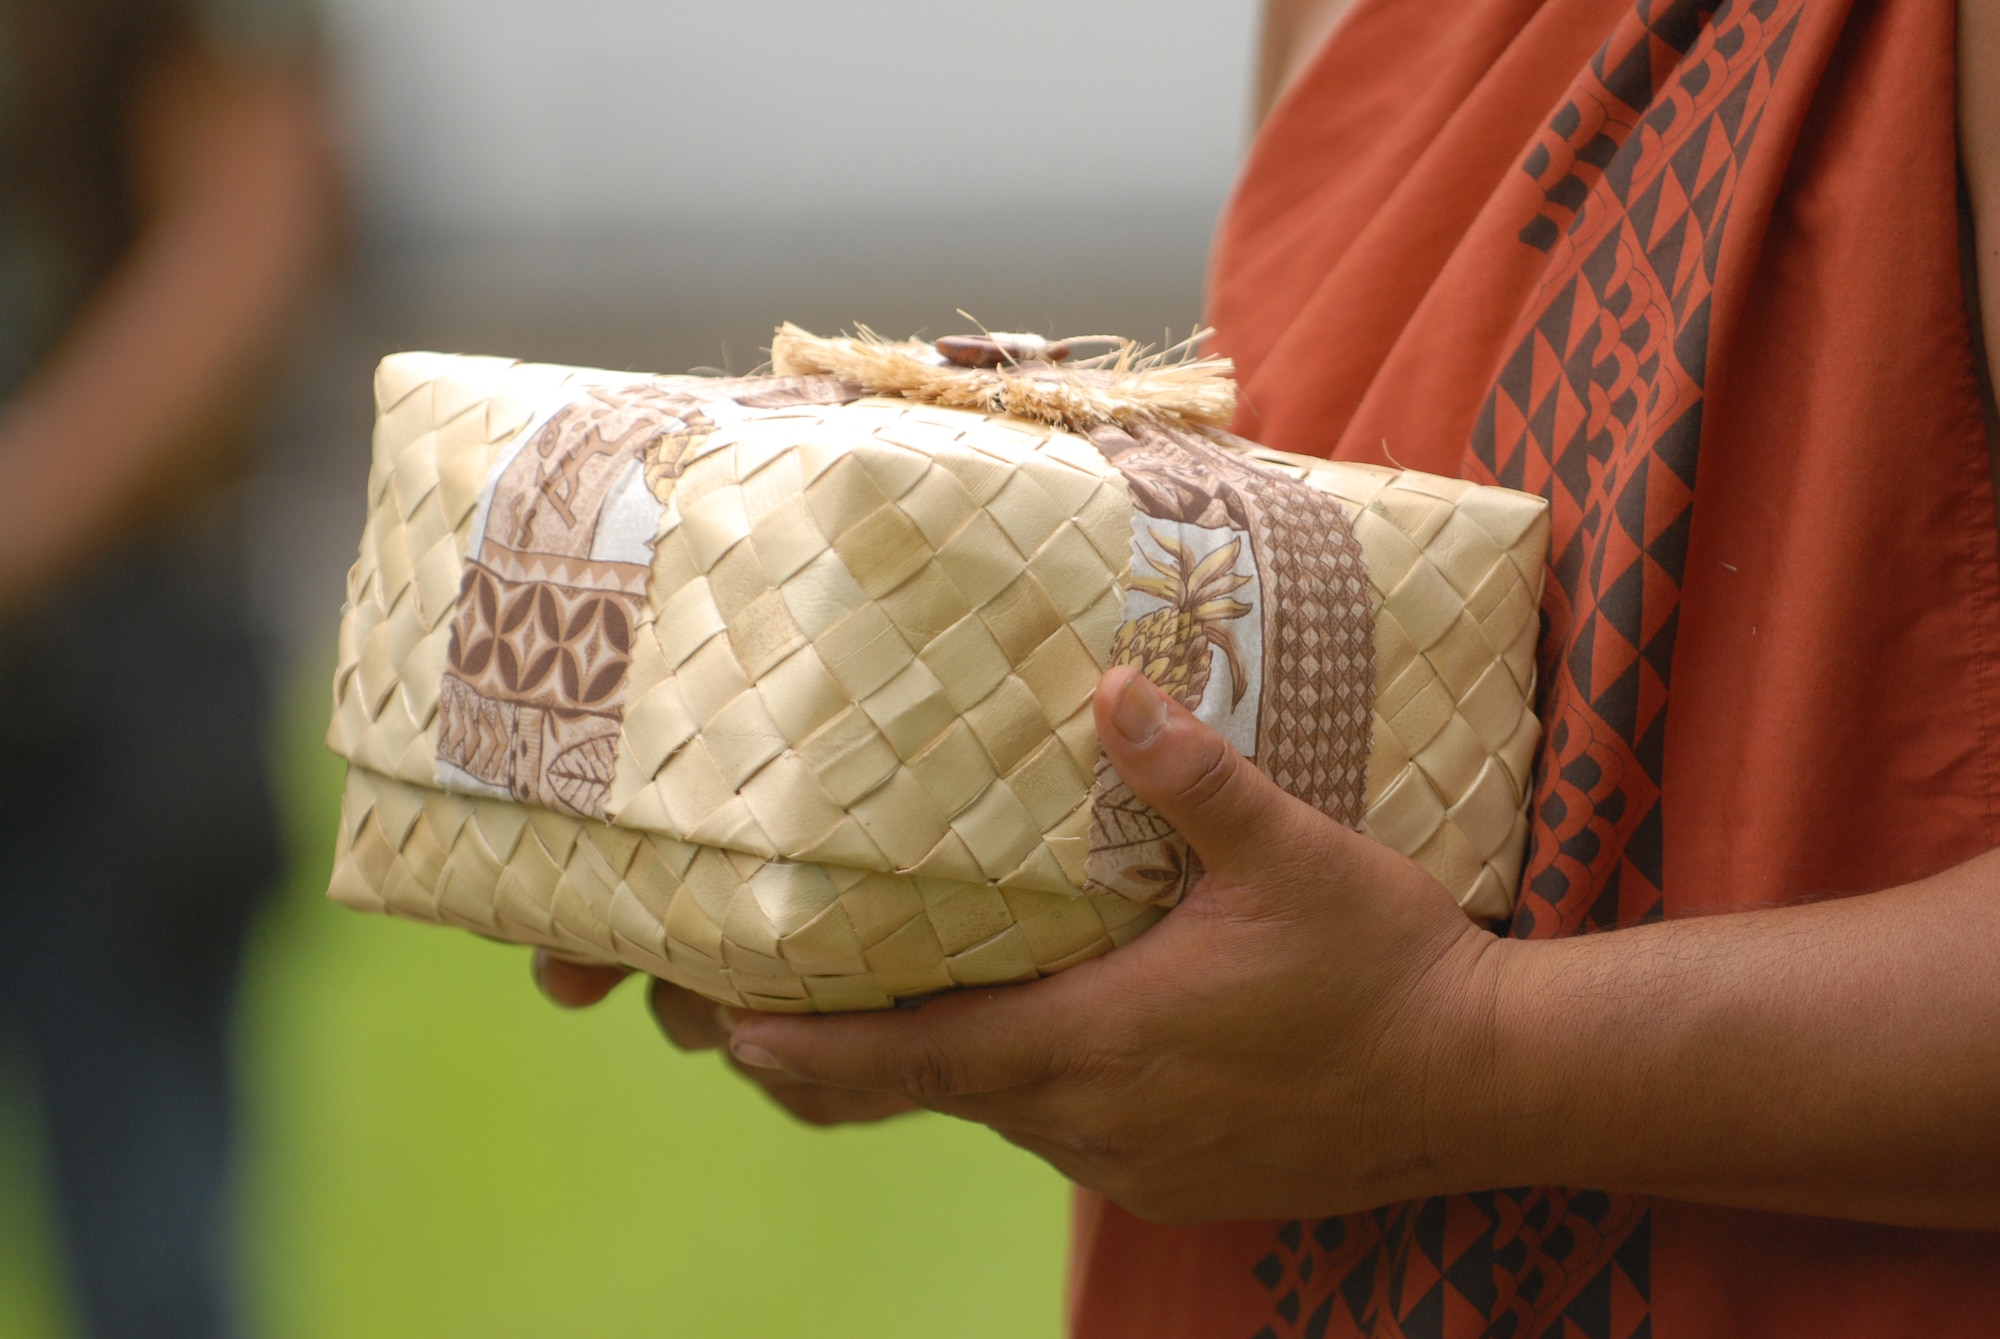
pixel 1000 348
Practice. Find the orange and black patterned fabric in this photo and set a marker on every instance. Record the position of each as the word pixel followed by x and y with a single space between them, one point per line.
pixel 1599 409
pixel 1690 271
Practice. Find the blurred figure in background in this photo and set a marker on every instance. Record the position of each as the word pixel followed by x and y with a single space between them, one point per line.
pixel 165 204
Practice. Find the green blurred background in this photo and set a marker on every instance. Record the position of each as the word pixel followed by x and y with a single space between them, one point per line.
pixel 435 1151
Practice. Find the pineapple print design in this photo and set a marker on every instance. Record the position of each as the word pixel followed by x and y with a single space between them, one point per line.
pixel 1174 645
pixel 1192 627
pixel 1246 604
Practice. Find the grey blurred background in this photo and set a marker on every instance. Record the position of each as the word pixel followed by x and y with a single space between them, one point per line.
pixel 655 185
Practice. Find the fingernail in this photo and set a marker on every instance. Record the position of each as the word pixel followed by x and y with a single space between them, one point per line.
pixel 1140 712
pixel 753 1055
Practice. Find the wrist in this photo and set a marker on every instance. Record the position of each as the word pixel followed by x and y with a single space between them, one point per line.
pixel 1465 1090
pixel 1433 1092
pixel 1549 1073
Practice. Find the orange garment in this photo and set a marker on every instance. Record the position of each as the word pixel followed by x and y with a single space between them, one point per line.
pixel 1690 271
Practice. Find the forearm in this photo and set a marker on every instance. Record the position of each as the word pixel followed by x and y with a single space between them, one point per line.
pixel 174 335
pixel 1839 1059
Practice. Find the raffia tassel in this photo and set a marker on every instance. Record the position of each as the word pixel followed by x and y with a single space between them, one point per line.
pixel 1124 386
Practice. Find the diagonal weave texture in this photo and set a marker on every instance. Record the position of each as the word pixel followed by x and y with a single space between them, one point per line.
pixel 876 634
pixel 1456 571
pixel 862 687
pixel 751 933
pixel 441 422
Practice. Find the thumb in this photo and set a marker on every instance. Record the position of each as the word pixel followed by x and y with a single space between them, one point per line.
pixel 1233 815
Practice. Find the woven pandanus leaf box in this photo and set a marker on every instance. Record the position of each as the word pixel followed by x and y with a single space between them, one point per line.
pixel 779 687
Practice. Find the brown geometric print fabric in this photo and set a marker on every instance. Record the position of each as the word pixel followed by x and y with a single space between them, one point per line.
pixel 1249 605
pixel 534 680
pixel 1599 409
pixel 534 685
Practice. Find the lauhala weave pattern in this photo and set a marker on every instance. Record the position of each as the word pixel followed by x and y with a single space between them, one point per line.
pixel 1456 573
pixel 780 936
pixel 856 752
pixel 441 425
pixel 879 628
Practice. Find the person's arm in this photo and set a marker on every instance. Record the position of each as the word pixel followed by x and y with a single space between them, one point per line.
pixel 237 179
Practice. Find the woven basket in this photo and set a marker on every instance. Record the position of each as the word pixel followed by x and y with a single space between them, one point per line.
pixel 780 690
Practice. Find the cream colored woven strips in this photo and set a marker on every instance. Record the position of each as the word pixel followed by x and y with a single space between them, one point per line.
pixel 749 932
pixel 1456 571
pixel 856 748
pixel 877 630
pixel 441 421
